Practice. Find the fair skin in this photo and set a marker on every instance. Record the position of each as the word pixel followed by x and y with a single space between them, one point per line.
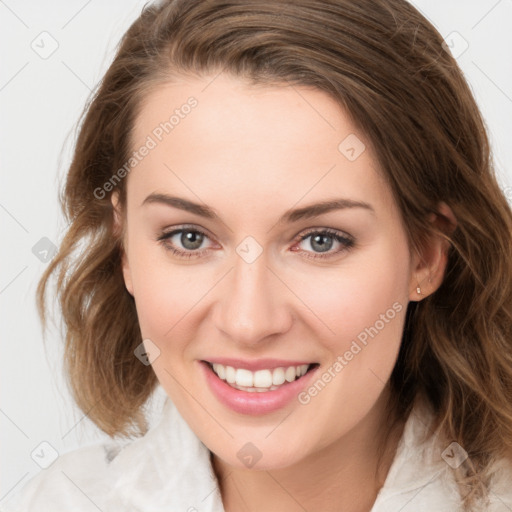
pixel 252 153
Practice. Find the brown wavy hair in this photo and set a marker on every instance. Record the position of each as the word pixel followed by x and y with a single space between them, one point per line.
pixel 386 65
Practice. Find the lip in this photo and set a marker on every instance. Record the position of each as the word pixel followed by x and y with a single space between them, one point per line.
pixel 260 364
pixel 254 404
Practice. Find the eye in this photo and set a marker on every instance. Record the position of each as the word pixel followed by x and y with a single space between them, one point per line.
pixel 323 240
pixel 191 239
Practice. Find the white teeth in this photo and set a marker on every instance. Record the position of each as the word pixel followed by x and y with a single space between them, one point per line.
pixel 244 377
pixel 289 374
pixel 261 380
pixel 230 374
pixel 220 370
pixel 253 389
pixel 278 376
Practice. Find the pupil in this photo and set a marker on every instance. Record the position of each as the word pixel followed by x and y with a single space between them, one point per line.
pixel 191 237
pixel 323 247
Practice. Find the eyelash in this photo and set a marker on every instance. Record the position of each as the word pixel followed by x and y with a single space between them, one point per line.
pixel 346 241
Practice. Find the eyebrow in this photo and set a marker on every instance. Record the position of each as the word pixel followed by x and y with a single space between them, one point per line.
pixel 290 216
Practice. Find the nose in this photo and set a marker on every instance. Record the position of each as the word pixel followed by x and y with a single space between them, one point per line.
pixel 253 305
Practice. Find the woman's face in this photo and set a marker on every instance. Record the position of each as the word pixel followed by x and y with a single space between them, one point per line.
pixel 257 283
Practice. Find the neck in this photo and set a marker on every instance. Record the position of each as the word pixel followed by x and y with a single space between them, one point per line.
pixel 346 475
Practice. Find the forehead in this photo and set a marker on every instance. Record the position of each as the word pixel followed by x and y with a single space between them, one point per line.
pixel 230 114
pixel 222 137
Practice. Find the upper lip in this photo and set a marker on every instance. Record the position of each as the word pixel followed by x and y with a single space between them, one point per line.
pixel 256 364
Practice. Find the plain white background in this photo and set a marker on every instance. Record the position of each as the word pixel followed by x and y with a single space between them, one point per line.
pixel 53 53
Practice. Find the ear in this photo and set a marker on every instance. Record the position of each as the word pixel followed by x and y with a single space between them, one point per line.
pixel 429 263
pixel 118 230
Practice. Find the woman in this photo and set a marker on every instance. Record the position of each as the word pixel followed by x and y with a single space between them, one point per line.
pixel 293 227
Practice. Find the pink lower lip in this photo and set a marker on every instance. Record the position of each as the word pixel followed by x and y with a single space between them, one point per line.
pixel 255 403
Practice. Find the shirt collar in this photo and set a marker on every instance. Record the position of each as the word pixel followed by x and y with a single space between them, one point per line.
pixel 170 468
pixel 167 469
pixel 420 472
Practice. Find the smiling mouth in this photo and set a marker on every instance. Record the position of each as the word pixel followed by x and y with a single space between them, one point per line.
pixel 261 380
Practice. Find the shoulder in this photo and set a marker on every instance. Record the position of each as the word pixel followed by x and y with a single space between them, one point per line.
pixel 500 499
pixel 77 480
pixel 422 476
pixel 418 478
pixel 144 473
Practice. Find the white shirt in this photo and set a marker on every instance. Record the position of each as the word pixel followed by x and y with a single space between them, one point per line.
pixel 169 470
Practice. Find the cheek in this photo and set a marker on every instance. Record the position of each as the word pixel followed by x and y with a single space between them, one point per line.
pixel 347 302
pixel 366 311
pixel 367 293
pixel 163 292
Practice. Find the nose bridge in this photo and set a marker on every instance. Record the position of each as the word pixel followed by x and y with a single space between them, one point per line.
pixel 250 307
